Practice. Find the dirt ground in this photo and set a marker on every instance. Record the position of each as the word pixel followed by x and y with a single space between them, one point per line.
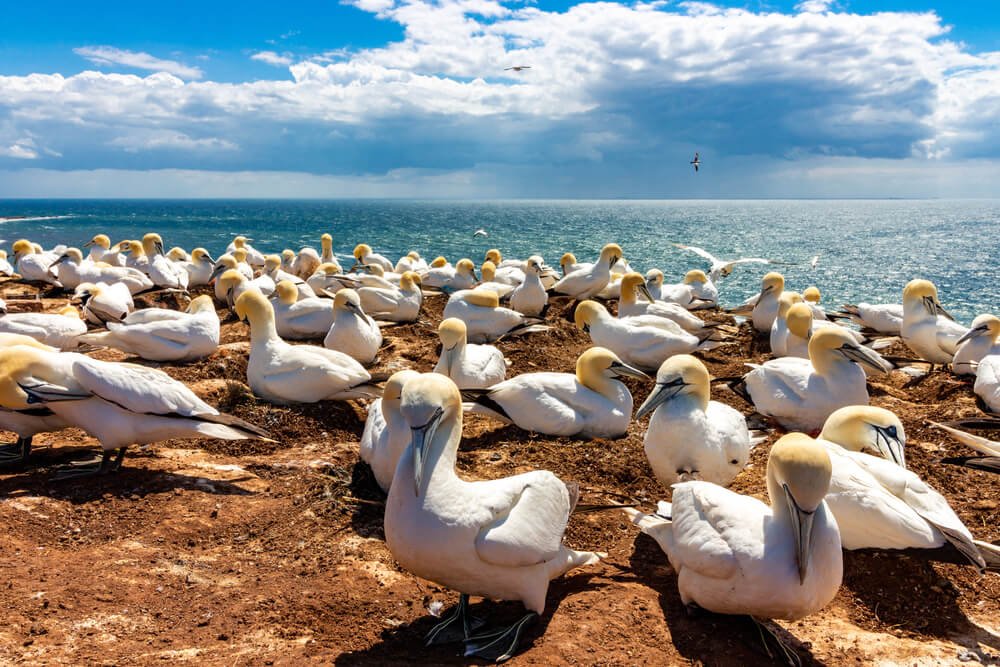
pixel 241 553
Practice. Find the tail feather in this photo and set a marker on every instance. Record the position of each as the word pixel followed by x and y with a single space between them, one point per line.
pixel 645 522
pixel 976 442
pixel 984 463
pixel 990 553
pixel 481 398
pixel 252 431
pixel 739 387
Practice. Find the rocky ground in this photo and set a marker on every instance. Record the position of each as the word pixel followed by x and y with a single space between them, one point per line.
pixel 216 552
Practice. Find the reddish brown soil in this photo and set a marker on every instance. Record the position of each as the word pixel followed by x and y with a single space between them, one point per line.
pixel 272 553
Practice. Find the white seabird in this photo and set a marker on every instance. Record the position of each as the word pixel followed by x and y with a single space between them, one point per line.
pixel 630 306
pixel 364 255
pixel 689 436
pixel 530 298
pixel 980 341
pixel 59 329
pixel 469 366
pixel 801 393
pixel 30 264
pixel 353 332
pixel 298 318
pixel 485 320
pixel 922 331
pixel 735 555
pixel 500 538
pixel 103 303
pixel 593 403
pixel 394 305
pixel 588 282
pixel 282 373
pixel 722 268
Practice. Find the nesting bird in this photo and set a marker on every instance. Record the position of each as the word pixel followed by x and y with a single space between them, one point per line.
pixel 353 332
pixel 470 366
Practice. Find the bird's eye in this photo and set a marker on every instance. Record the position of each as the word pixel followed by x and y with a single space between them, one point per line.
pixel 892 431
pixel 734 461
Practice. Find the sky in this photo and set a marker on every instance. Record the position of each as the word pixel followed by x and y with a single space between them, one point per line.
pixel 413 98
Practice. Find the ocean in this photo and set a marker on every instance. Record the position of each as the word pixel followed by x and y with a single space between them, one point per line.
pixel 868 249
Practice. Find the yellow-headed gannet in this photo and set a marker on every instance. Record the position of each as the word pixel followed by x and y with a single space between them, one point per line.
pixel 76 270
pixel 254 256
pixel 470 366
pixel 485 320
pixel 353 332
pixel 364 255
pixel 530 297
pixel 58 329
pixel 298 318
pixel 779 328
pixel 272 269
pixel 585 283
pixel 102 251
pixel 980 341
pixel 199 268
pixel 499 539
pixel 232 284
pixel 329 278
pixel 394 305
pixel 31 265
pixel 629 306
pixel 922 330
pixel 386 433
pixel 103 303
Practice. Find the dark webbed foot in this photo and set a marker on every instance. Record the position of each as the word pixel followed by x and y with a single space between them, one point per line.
pixel 456 626
pixel 16 452
pixel 91 469
pixel 776 649
pixel 500 645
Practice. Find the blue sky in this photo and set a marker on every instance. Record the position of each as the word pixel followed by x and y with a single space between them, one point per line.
pixel 410 98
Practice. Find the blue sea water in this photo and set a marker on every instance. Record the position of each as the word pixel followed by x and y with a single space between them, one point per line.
pixel 868 249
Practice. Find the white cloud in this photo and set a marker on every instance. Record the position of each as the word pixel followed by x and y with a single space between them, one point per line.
pixel 21 150
pixel 273 58
pixel 611 87
pixel 109 55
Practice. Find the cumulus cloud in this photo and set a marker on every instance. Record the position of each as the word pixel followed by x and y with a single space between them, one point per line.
pixel 613 89
pixel 109 55
pixel 273 58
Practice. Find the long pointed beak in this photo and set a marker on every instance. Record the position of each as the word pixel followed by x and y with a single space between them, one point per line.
pixel 866 357
pixel 356 309
pixel 645 292
pixel 662 393
pixel 59 261
pixel 802 525
pixel 890 446
pixel 420 439
pixel 216 272
pixel 158 247
pixel 621 369
pixel 88 244
pixel 763 291
pixel 942 311
pixel 229 298
pixel 981 330
pixel 208 258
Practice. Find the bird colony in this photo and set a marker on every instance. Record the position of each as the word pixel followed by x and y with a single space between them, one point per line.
pixel 834 466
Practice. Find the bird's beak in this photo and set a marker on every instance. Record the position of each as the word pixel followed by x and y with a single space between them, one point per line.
pixel 474 276
pixel 229 298
pixel 981 330
pixel 420 439
pixel 612 259
pixel 890 446
pixel 216 272
pixel 208 258
pixel 621 369
pixel 866 357
pixel 158 247
pixel 59 261
pixel 645 292
pixel 662 392
pixel 356 309
pixel 942 311
pixel 353 268
pixel 802 525
pixel 88 244
pixel 763 291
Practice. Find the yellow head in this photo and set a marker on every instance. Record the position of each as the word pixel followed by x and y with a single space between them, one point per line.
pixel 136 250
pixel 832 344
pixel 199 255
pixel 597 365
pixel 587 313
pixel 348 299
pixel 864 428
pixel 984 326
pixel 177 254
pixel 99 240
pixel 19 363
pixel 229 279
pixel 271 263
pixel 679 375
pixel 799 319
pixel 328 269
pixel 253 307
pixel 772 283
pixel 786 301
pixel 488 271
pixel 452 332
pixel 362 250
pixel 630 283
pixel 466 267
pixel 240 241
pixel 393 388
pixel 3 254
pixel 288 293
pixel 375 270
pixel 22 247
pixel 493 255
pixel 695 276
pixel 811 294
pixel 408 281
pixel 483 298
pixel 611 253
pixel 439 262
pixel 654 278
pixel 152 244
pixel 201 304
pixel 566 260
pixel 240 255
pixel 69 311
pixel 287 256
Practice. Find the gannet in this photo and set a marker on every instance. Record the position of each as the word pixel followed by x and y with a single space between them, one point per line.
pixel 72 266
pixel 254 257
pixel 722 268
pixel 353 332
pixel 678 294
pixel 704 291
pixel 272 269
pixel 469 366
pixel 629 306
pixel 194 335
pixel 779 328
pixel 506 271
pixel 640 341
pixel 462 276
pixel 885 318
pixel 364 255
pixel 329 278
pixel 879 504
pixel 812 297
pixel 735 555
pixel 5 266
pixel 326 255
pixel 568 264
pixel 499 539
pixel 485 320
pixel 590 404
pixel 480 232
pixel 410 262
pixel 799 324
pixel 178 254
pixel 980 341
pixel 119 404
pixel 242 265
pixel 162 271
pixel 71 269
pixel 307 262
pixel 689 436
pixel 922 331
pixel 102 251
pixel 394 305
pixel 386 432
pixel 30 264
pixel 297 318
pixel 232 284
pixel 766 307
pixel 282 373
pixel 58 329
pixel 987 385
pixel 375 276
pixel 530 297
pixel 287 260
pixel 585 283
pixel 103 303
pixel 801 393
pixel 199 268
pixel 136 256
